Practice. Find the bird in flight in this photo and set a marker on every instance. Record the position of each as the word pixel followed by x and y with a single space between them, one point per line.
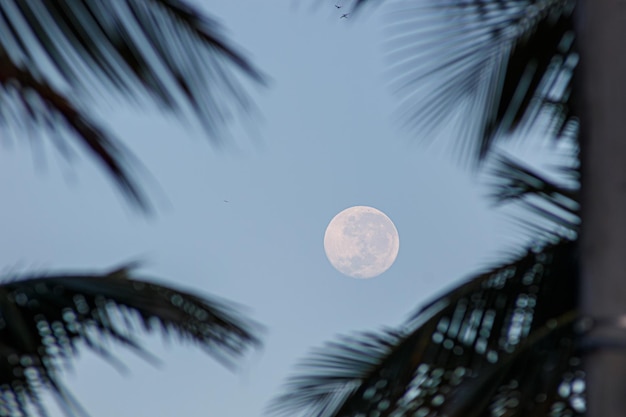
pixel 338 6
pixel 344 16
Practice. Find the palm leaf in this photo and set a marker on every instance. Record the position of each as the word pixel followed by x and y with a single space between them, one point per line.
pixel 555 204
pixel 331 374
pixel 542 377
pixel 44 320
pixel 24 96
pixel 468 333
pixel 163 50
pixel 502 62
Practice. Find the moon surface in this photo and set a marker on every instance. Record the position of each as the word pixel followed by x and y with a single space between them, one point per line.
pixel 361 242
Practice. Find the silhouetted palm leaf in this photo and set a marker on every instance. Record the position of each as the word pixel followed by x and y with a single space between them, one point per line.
pixel 333 373
pixel 45 319
pixel 542 377
pixel 501 62
pixel 468 346
pixel 555 205
pixel 165 50
pixel 25 97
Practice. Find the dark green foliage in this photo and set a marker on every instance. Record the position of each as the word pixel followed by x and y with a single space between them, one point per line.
pixel 44 320
pixel 556 205
pixel 501 63
pixel 503 343
pixel 332 373
pixel 41 103
pixel 57 56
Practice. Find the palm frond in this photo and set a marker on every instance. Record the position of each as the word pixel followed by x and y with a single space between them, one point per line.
pixel 468 333
pixel 166 51
pixel 45 319
pixel 165 48
pixel 556 205
pixel 25 96
pixel 332 373
pixel 542 377
pixel 502 62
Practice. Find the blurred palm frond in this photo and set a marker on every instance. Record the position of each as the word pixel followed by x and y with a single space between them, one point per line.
pixel 555 205
pixel 467 353
pixel 332 373
pixel 45 319
pixel 27 99
pixel 166 51
pixel 503 63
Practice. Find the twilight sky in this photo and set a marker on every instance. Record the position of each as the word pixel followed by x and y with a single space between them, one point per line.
pixel 325 139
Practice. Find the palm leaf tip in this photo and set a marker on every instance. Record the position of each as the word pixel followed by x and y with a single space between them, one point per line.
pixel 332 373
pixel 554 203
pixel 205 79
pixel 45 319
pixel 42 104
pixel 168 50
pixel 501 63
pixel 165 51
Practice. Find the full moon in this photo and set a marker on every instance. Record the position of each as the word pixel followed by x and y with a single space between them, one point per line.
pixel 361 242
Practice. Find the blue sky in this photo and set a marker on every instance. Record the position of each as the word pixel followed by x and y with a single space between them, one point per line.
pixel 325 139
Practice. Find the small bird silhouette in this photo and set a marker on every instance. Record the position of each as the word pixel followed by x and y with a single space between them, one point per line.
pixel 338 6
pixel 344 16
